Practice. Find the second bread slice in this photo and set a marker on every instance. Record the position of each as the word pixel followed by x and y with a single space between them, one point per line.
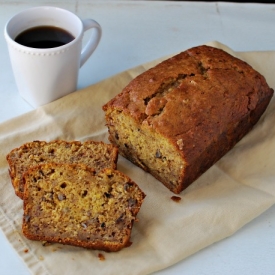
pixel 96 155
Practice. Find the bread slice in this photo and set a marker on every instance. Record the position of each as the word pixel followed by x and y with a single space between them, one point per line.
pixel 180 117
pixel 71 204
pixel 97 155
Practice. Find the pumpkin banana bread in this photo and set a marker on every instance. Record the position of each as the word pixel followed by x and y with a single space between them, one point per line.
pixel 71 204
pixel 97 155
pixel 180 117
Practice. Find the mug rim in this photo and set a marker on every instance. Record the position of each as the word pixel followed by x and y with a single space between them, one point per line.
pixel 16 45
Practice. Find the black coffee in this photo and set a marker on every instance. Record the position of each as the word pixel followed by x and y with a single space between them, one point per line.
pixel 44 37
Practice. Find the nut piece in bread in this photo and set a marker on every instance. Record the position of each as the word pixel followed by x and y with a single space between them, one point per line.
pixel 97 155
pixel 71 204
pixel 180 117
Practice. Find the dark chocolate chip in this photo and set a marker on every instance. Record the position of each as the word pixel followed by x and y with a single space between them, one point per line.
pixel 84 193
pixel 110 176
pixel 107 195
pixel 63 185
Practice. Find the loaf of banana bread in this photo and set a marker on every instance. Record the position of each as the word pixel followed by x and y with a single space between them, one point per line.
pixel 97 155
pixel 180 117
pixel 71 204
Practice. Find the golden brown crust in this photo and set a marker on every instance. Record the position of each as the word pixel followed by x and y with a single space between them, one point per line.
pixel 98 155
pixel 71 204
pixel 200 102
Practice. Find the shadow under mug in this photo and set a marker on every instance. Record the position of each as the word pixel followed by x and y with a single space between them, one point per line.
pixel 43 75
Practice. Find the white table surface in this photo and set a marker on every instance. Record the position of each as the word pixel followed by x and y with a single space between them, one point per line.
pixel 135 32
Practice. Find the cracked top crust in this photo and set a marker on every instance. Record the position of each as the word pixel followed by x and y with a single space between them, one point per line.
pixel 186 97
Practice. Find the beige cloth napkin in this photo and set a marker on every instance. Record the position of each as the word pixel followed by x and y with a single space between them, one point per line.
pixel 230 194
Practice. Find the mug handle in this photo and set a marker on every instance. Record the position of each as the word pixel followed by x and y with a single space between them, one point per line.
pixel 93 41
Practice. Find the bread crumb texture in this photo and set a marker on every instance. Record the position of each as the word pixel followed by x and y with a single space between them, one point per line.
pixel 72 204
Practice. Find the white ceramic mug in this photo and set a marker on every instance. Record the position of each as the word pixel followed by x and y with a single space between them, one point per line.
pixel 44 75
